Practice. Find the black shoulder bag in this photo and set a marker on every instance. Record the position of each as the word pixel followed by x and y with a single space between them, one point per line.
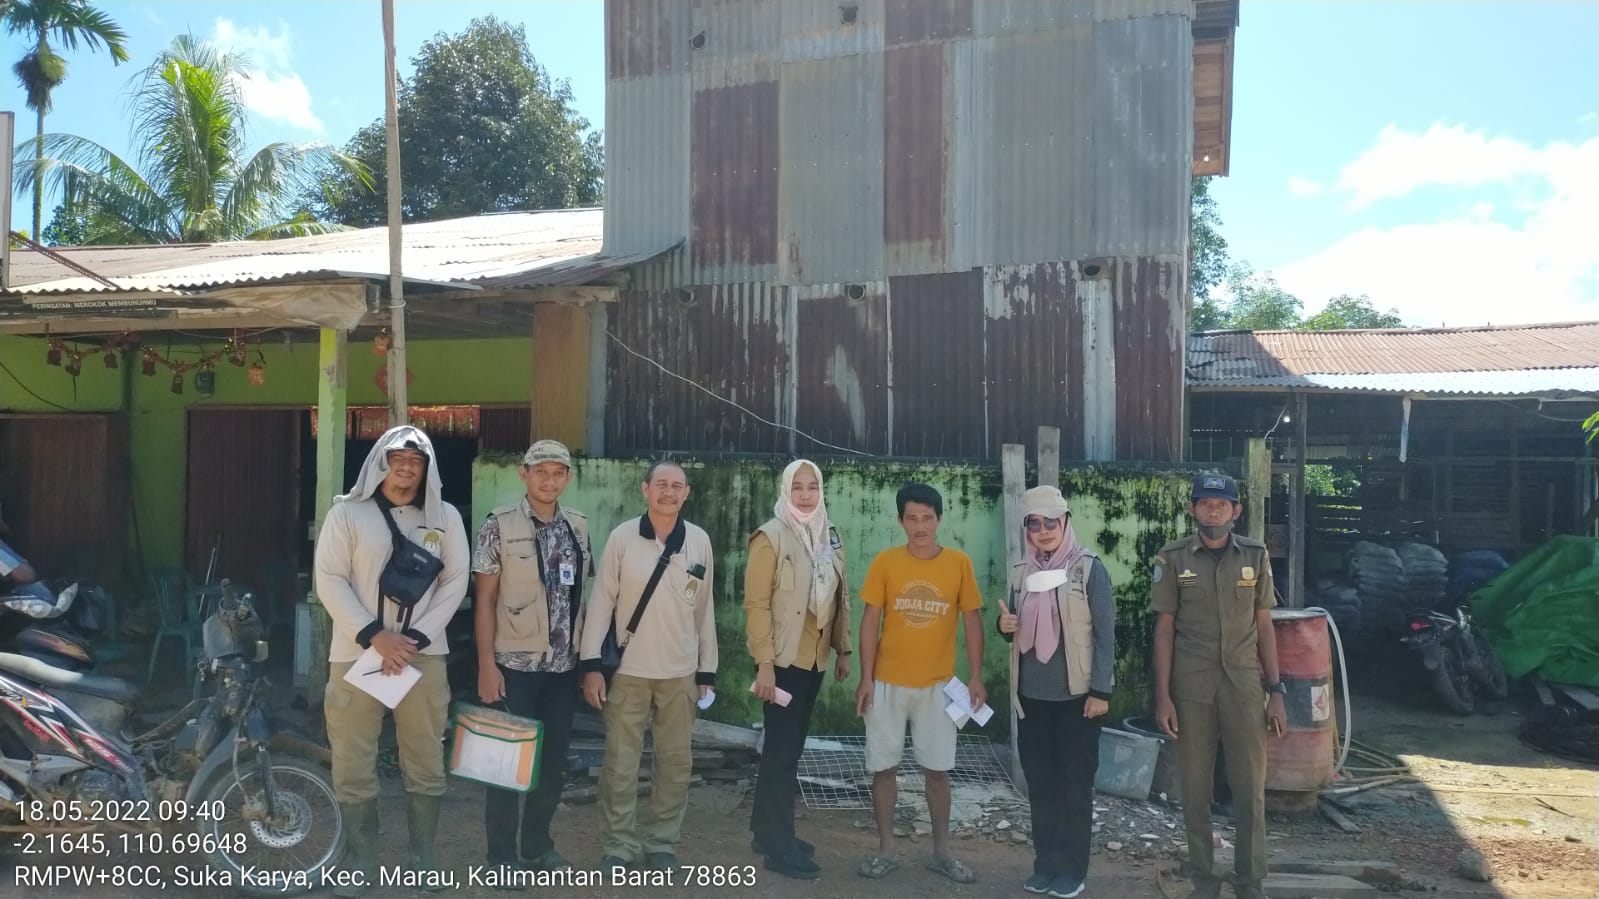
pixel 611 650
pixel 410 571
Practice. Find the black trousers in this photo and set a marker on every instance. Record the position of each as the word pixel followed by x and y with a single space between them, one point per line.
pixel 552 699
pixel 1060 754
pixel 772 820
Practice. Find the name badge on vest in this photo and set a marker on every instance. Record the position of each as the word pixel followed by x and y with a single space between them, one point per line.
pixel 568 574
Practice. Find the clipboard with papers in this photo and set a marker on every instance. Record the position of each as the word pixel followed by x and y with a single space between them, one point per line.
pixel 367 675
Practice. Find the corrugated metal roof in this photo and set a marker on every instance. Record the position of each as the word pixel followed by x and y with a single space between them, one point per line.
pixel 521 249
pixel 1487 361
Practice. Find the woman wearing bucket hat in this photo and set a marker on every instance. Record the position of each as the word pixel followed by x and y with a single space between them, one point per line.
pixel 1061 624
pixel 797 605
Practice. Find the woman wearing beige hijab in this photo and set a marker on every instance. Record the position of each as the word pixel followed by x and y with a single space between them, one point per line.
pixel 797 604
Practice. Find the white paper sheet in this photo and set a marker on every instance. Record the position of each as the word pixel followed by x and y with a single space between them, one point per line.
pixel 960 709
pixel 487 760
pixel 389 689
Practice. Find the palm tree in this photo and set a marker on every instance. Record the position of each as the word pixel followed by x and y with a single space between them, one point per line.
pixel 192 183
pixel 42 70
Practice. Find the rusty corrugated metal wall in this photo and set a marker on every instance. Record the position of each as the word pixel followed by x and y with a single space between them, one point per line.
pixel 905 193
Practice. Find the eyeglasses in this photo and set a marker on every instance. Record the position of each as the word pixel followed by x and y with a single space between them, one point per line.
pixel 1034 525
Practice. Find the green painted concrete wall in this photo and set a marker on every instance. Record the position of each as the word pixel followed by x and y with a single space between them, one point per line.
pixel 443 372
pixel 1126 514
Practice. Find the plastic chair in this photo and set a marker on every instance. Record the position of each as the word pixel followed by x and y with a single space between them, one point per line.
pixel 170 589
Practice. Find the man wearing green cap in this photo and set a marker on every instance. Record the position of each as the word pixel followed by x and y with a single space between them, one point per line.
pixel 1216 677
pixel 533 559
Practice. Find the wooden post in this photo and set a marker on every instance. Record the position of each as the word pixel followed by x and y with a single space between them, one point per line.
pixel 1013 470
pixel 332 420
pixel 1257 479
pixel 1296 508
pixel 1048 457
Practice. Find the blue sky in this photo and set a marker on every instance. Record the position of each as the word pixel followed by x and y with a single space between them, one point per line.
pixel 1441 157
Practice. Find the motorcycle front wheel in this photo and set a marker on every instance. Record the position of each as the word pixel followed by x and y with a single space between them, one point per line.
pixel 1451 681
pixel 291 846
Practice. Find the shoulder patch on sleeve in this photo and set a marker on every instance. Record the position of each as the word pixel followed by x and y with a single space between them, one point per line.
pixel 1157 571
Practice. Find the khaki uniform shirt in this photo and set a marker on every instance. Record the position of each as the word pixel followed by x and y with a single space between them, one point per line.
pixel 1214 596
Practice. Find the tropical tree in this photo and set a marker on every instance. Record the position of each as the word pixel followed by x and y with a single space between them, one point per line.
pixel 192 182
pixel 483 128
pixel 42 69
pixel 1344 311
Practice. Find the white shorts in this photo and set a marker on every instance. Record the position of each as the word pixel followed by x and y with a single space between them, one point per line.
pixel 932 731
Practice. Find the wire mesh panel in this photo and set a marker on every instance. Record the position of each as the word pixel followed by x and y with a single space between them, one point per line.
pixel 833 775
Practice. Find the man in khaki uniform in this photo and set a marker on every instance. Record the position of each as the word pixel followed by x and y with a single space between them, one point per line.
pixel 1215 671
pixel 668 666
pixel 533 561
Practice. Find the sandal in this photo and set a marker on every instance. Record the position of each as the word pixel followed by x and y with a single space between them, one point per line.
pixel 876 867
pixel 952 868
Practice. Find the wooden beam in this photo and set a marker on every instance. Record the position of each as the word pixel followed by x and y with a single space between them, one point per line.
pixel 332 411
pixel 1257 477
pixel 1296 513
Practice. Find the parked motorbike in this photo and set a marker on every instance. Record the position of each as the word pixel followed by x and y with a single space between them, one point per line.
pixel 53 622
pixel 1459 657
pixel 1437 637
pixel 218 778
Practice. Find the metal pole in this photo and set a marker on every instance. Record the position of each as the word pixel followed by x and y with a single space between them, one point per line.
pixel 399 399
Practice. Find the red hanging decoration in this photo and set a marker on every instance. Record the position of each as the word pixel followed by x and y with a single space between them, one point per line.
pixel 381 343
pixel 257 374
pixel 110 357
pixel 148 362
pixel 52 356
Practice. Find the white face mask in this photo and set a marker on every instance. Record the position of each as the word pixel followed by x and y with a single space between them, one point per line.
pixel 1044 581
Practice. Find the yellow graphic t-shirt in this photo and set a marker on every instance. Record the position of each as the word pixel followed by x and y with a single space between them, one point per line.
pixel 922 601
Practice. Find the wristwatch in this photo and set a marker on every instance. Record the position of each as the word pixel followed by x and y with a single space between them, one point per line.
pixel 1278 687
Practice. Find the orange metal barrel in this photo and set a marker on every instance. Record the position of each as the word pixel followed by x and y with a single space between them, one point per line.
pixel 1302 760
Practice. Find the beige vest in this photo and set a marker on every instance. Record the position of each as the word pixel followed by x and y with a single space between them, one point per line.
pixel 791 596
pixel 1076 622
pixel 522 613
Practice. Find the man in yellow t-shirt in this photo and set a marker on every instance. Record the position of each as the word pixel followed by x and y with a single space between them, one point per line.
pixel 914 595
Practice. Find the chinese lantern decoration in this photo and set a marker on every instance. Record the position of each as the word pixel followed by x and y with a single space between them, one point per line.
pixel 74 364
pixel 380 343
pixel 148 362
pixel 257 374
pixel 235 351
pixel 179 369
pixel 111 355
pixel 52 356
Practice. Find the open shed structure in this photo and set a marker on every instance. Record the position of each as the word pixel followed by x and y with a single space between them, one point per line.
pixel 1461 438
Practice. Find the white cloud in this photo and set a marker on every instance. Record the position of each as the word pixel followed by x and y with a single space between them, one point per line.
pixel 1470 269
pixel 150 15
pixel 1444 155
pixel 1303 187
pixel 272 89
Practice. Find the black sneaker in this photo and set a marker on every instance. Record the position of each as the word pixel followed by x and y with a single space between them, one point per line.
pixel 660 861
pixel 759 848
pixel 1038 883
pixel 796 864
pixel 1066 887
pixel 607 862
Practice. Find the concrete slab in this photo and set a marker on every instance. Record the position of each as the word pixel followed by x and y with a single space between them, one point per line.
pixel 1317 886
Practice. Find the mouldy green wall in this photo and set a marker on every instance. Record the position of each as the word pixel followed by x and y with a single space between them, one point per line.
pixel 443 372
pixel 1124 514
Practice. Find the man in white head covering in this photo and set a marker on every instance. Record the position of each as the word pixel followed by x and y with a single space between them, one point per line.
pixel 398 496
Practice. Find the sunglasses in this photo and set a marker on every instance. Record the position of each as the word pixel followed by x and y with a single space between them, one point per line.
pixel 1034 525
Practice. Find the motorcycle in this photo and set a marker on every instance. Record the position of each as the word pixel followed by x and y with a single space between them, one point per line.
pixel 1437 637
pixel 1482 663
pixel 53 622
pixel 218 778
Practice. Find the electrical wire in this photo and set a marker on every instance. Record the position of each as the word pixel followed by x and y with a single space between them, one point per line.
pixel 721 399
pixel 29 391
